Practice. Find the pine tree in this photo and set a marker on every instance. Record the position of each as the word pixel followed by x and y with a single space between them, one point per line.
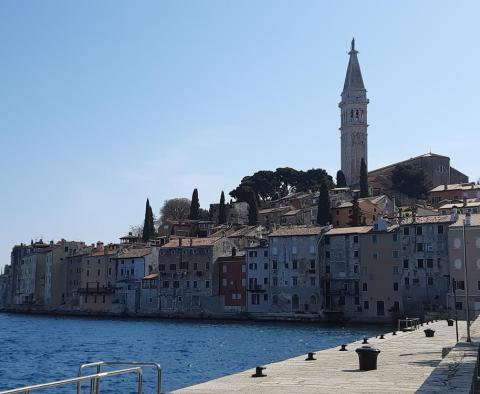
pixel 356 216
pixel 222 213
pixel 148 224
pixel 341 181
pixel 363 179
pixel 194 206
pixel 323 213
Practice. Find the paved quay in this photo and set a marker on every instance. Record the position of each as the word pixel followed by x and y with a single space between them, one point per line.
pixel 405 363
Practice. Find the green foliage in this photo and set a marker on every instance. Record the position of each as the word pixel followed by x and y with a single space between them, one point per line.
pixel 271 185
pixel 323 213
pixel 148 223
pixel 222 211
pixel 410 180
pixel 341 181
pixel 194 206
pixel 363 179
pixel 356 216
pixel 252 209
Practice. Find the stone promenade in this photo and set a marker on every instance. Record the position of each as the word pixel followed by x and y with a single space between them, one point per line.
pixel 405 363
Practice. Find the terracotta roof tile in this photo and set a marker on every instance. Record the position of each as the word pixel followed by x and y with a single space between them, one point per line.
pixel 188 242
pixel 287 231
pixel 349 230
pixel 134 253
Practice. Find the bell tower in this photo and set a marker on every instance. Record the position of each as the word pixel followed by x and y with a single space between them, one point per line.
pixel 354 125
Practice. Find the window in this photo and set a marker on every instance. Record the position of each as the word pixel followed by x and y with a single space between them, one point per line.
pixel 187 283
pixel 380 308
pixel 405 263
pixel 195 266
pixel 355 269
pixel 395 237
pixel 407 281
pixel 355 239
pixel 103 300
pixel 419 247
pixel 396 270
pixel 395 254
pixel 312 281
pixel 419 230
pixel 255 299
pixel 365 305
pixel 166 284
pixel 161 267
pixel 265 266
pixel 265 297
pixel 176 284
pixel 327 269
pixel 429 263
pixel 207 284
pixel 88 273
pixel 195 284
pixel 312 264
pixel 173 267
pixel 419 263
pixel 364 287
pixel 274 264
pixel 460 284
pixel 430 281
pixel 395 286
pixel 86 299
pixel 265 253
pixel 286 264
pixel 224 268
pixel 265 281
pixel 224 282
pixel 440 229
pixel 355 253
pixel 275 300
pixel 275 281
pixel 375 256
pixel 294 280
pixel 374 238
pixel 110 271
pixel 294 265
pixel 406 231
pixel 327 254
pixel 294 250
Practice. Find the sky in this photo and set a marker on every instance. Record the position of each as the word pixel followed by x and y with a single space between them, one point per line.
pixel 104 104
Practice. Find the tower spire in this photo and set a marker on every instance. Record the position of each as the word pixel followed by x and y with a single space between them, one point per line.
pixel 353 78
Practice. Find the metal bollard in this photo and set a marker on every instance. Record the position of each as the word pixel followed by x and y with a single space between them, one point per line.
pixel 259 372
pixel 381 336
pixel 365 340
pixel 310 356
pixel 343 348
pixel 394 333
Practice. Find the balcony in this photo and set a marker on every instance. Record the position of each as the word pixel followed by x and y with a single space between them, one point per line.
pixel 256 289
pixel 96 290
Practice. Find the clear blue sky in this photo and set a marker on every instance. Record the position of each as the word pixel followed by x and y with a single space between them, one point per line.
pixel 106 103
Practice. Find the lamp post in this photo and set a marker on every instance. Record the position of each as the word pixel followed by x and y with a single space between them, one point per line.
pixel 454 288
pixel 466 222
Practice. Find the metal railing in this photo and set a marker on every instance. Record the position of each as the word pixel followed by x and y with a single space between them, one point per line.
pixel 95 385
pixel 94 381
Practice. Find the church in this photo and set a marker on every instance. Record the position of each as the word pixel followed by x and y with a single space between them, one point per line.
pixel 354 141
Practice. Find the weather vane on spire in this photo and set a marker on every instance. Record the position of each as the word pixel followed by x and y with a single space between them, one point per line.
pixel 352 48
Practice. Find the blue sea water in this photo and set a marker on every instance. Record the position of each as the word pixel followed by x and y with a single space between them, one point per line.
pixel 36 349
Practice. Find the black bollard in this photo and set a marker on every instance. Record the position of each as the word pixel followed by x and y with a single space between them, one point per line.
pixel 394 333
pixel 343 348
pixel 259 372
pixel 365 340
pixel 381 336
pixel 310 357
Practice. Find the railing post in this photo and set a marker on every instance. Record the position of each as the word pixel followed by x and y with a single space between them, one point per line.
pixel 140 381
pixel 159 380
pixel 97 388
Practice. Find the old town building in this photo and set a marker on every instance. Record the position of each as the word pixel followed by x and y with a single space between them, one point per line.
pixel 232 282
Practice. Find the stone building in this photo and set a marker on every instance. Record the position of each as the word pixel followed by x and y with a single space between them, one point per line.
pixel 149 301
pixel 294 268
pixel 232 282
pixel 457 191
pixel 258 278
pixel 456 244
pixel 370 207
pixel 188 274
pixel 354 124
pixel 425 263
pixel 340 271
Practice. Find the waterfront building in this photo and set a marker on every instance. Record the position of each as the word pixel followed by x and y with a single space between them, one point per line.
pixel 378 296
pixel 56 271
pixel 294 271
pixel 97 282
pixel 149 300
pixel 258 278
pixel 245 236
pixel 131 265
pixel 459 248
pixel 5 281
pixel 232 282
pixel 371 208
pixel 340 261
pixel 471 205
pixel 452 192
pixel 425 263
pixel 74 276
pixel 188 274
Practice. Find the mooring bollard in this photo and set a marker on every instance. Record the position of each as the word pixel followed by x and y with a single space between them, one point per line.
pixel 365 340
pixel 259 372
pixel 429 332
pixel 394 333
pixel 310 356
pixel 381 336
pixel 343 348
pixel 450 322
pixel 367 357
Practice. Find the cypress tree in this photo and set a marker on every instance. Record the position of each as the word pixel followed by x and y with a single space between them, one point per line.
pixel 148 222
pixel 222 213
pixel 323 213
pixel 356 216
pixel 151 222
pixel 252 209
pixel 363 179
pixel 341 181
pixel 194 206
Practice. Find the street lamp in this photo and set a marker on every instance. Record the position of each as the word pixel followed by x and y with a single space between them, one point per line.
pixel 466 222
pixel 454 288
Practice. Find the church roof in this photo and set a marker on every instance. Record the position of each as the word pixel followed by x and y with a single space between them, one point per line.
pixel 353 79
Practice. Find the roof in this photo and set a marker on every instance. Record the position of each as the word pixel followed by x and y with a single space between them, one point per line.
pixel 190 242
pixel 287 231
pixel 426 155
pixel 456 186
pixel 134 253
pixel 349 230
pixel 151 276
pixel 353 79
pixel 474 220
pixel 431 219
pixel 271 210
pixel 104 252
pixel 460 205
pixel 292 212
pixel 244 231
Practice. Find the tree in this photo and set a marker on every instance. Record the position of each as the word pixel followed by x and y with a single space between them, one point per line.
pixel 222 210
pixel 323 213
pixel 175 209
pixel 341 181
pixel 194 206
pixel 410 181
pixel 148 223
pixel 356 216
pixel 252 209
pixel 363 179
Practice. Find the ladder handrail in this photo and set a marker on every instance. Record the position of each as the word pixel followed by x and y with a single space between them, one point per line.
pixel 99 364
pixel 93 378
